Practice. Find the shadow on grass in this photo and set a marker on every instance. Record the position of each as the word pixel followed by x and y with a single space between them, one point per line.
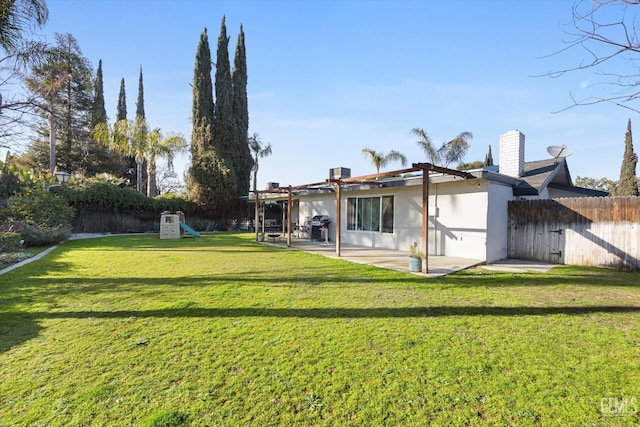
pixel 561 275
pixel 16 329
pixel 151 241
pixel 33 289
pixel 332 313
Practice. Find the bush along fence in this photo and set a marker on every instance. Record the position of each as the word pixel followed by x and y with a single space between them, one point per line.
pixel 589 231
pixel 107 221
pixel 101 207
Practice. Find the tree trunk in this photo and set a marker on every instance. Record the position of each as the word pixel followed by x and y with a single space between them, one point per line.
pixel 255 175
pixel 152 187
pixel 52 144
pixel 139 166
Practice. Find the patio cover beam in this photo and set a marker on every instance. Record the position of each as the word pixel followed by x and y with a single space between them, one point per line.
pixel 426 168
pixel 289 217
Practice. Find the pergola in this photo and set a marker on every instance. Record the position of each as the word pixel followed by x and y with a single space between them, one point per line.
pixel 337 184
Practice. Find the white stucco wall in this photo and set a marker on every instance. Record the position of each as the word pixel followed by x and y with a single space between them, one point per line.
pixel 498 221
pixel 318 204
pixel 458 214
pixel 460 228
pixel 407 223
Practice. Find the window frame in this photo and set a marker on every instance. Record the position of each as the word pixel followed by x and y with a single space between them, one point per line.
pixel 371 214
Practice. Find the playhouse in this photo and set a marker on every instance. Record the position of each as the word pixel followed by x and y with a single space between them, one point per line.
pixel 172 226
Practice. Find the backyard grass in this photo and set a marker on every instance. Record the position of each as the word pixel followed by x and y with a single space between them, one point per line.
pixel 223 331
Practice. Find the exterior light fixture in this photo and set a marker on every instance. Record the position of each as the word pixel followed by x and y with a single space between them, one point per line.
pixel 62 177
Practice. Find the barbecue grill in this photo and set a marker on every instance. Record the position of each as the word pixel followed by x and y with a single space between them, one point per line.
pixel 317 223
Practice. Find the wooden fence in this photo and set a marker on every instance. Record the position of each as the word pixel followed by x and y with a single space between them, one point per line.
pixel 590 231
pixel 105 221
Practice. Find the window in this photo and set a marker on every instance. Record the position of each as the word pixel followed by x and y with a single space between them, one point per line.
pixel 370 213
pixel 387 214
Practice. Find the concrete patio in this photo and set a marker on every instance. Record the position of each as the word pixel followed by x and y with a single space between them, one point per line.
pixel 384 258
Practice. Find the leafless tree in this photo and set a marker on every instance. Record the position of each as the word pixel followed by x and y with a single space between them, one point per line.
pixel 16 101
pixel 607 31
pixel 168 181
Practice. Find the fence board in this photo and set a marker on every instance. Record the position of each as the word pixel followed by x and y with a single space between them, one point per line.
pixel 590 231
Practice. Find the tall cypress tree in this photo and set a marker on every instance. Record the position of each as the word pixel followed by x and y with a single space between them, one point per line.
pixel 140 101
pixel 628 185
pixel 488 159
pixel 202 109
pixel 99 113
pixel 241 115
pixel 141 164
pixel 210 180
pixel 224 130
pixel 101 158
pixel 121 114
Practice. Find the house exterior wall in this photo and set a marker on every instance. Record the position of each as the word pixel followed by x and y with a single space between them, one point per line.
pixel 407 222
pixel 317 204
pixel 460 227
pixel 458 213
pixel 498 220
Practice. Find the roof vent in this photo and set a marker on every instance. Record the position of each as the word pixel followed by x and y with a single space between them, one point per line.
pixel 339 173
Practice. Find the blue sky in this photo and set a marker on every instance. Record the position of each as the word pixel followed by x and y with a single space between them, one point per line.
pixel 328 78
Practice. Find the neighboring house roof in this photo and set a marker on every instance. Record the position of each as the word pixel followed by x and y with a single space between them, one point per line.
pixel 539 174
pixel 549 173
pixel 579 190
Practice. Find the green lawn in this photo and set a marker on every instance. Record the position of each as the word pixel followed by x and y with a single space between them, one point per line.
pixel 223 331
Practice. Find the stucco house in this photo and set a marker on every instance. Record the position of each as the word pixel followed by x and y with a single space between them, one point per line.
pixel 467 212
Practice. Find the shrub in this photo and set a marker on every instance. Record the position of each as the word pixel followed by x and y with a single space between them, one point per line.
pixel 45 235
pixel 93 194
pixel 37 207
pixel 9 241
pixel 40 217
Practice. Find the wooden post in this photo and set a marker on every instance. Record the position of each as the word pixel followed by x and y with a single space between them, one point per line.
pixel 425 220
pixel 289 218
pixel 338 216
pixel 257 213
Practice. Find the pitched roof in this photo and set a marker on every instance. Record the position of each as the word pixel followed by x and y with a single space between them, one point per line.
pixel 549 173
pixel 537 175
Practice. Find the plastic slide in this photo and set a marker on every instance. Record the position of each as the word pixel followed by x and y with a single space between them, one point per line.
pixel 189 230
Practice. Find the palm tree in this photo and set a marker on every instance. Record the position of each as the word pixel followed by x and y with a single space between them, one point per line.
pixel 18 16
pixel 258 151
pixel 159 146
pixel 381 160
pixel 426 144
pixel 133 139
pixel 130 139
pixel 456 149
pixel 449 152
pixel 46 90
pixel 124 138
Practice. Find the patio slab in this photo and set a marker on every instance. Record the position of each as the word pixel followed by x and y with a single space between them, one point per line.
pixel 384 258
pixel 518 266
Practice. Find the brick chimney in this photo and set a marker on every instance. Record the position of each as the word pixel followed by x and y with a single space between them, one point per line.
pixel 512 154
